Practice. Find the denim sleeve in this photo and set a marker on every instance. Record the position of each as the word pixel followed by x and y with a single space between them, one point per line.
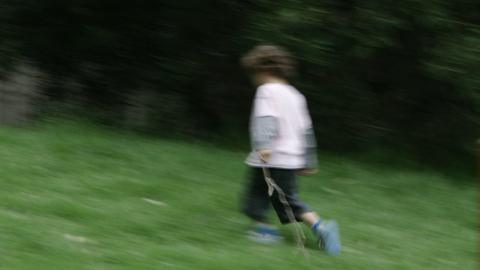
pixel 263 131
pixel 311 149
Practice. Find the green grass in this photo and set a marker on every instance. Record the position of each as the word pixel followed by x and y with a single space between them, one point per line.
pixel 73 196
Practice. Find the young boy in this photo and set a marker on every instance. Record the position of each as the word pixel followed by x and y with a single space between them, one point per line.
pixel 283 144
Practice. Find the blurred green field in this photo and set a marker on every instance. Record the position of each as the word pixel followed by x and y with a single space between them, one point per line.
pixel 73 196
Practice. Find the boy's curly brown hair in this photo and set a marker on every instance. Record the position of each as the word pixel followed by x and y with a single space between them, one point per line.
pixel 270 59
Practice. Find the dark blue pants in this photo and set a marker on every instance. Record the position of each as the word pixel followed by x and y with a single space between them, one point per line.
pixel 256 203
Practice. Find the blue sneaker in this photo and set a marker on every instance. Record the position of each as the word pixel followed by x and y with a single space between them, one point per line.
pixel 329 237
pixel 264 234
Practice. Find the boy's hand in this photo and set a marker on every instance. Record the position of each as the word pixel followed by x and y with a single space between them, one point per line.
pixel 264 154
pixel 306 172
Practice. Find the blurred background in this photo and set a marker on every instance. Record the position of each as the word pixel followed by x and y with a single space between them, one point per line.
pixel 402 76
pixel 124 126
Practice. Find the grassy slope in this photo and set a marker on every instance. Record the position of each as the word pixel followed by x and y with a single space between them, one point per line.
pixel 74 197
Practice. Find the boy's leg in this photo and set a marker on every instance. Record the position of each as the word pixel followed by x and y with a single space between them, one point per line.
pixel 310 218
pixel 286 179
pixel 256 205
pixel 255 202
pixel 326 231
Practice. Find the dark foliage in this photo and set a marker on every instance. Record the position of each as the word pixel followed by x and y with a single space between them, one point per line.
pixel 403 75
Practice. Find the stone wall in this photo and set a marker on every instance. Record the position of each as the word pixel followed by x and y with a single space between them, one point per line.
pixel 18 92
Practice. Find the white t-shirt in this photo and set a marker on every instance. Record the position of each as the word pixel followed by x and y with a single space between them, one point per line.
pixel 289 108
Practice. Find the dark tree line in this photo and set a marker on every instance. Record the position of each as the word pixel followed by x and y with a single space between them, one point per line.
pixel 403 74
